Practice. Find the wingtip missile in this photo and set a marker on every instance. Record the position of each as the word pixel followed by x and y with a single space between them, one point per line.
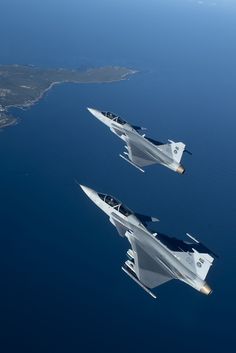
pixel 191 237
pixel 127 268
pixel 130 162
pixel 187 151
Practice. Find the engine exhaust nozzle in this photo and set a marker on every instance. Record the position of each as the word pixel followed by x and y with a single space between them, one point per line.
pixel 206 289
pixel 180 169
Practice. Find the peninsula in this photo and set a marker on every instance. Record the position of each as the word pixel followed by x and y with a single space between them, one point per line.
pixel 22 86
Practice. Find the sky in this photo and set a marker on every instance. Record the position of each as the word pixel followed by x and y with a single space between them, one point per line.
pixel 62 286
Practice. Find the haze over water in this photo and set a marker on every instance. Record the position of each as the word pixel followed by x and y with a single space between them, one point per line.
pixel 62 288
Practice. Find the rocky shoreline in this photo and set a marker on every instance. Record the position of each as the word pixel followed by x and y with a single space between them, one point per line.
pixel 35 82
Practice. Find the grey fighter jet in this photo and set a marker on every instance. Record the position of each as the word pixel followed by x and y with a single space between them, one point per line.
pixel 155 258
pixel 142 150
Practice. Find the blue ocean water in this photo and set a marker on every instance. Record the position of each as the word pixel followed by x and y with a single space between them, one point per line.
pixel 62 288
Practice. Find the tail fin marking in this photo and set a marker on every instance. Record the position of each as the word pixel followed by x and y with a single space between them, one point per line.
pixel 177 149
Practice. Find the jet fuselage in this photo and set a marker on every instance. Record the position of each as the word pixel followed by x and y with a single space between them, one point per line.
pixel 129 134
pixel 147 240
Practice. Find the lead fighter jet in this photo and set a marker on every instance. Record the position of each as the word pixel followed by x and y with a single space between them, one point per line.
pixel 155 258
pixel 141 150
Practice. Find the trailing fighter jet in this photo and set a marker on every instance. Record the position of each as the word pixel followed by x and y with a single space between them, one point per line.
pixel 155 258
pixel 142 150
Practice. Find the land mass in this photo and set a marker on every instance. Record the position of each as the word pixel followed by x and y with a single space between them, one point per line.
pixel 22 86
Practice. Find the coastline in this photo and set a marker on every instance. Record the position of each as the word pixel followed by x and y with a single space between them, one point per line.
pixel 10 122
pixel 29 104
pixel 33 102
pixel 91 76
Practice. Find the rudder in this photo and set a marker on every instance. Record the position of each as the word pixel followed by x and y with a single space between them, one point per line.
pixel 203 262
pixel 177 149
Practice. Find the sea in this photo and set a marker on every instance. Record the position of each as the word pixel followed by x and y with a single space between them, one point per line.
pixel 62 287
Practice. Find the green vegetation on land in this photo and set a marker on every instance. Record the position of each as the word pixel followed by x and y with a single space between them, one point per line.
pixel 22 86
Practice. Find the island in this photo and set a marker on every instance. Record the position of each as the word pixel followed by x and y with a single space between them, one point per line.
pixel 21 86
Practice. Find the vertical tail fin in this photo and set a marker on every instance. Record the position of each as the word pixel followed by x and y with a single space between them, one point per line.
pixel 203 262
pixel 198 262
pixel 173 149
pixel 177 149
pixel 195 256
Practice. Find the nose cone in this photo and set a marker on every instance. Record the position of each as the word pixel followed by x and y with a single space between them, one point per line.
pixel 100 116
pixel 89 192
pixel 94 112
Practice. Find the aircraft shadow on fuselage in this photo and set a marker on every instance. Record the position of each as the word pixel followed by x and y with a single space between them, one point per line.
pixel 174 244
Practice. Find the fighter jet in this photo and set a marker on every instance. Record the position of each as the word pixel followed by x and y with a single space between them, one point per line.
pixel 142 150
pixel 155 258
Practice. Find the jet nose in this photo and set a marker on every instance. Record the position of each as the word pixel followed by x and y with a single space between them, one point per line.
pixel 90 193
pixel 100 116
pixel 87 190
pixel 93 111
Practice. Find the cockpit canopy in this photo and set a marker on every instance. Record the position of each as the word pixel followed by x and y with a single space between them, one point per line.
pixel 116 204
pixel 114 117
